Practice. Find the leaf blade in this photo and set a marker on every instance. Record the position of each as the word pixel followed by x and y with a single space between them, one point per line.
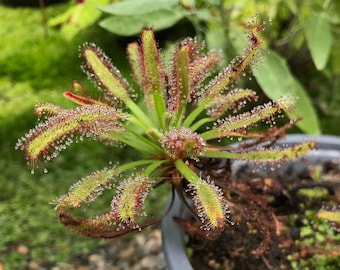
pixel 319 39
pixel 276 81
pixel 137 7
pixel 132 25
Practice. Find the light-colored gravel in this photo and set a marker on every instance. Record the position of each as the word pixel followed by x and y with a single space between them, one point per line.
pixel 142 252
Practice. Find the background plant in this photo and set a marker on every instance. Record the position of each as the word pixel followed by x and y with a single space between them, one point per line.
pixel 304 35
pixel 298 27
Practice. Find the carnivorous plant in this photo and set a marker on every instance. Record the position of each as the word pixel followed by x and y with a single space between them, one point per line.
pixel 175 114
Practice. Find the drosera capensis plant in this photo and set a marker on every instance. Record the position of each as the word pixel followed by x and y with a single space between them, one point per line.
pixel 186 112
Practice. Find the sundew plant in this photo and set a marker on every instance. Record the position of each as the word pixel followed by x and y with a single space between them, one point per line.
pixel 176 115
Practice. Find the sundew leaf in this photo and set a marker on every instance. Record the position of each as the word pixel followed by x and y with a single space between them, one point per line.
pixel 234 99
pixel 209 202
pixel 265 155
pixel 129 202
pixel 89 188
pixel 135 61
pixel 132 25
pixel 52 136
pixel 153 72
pixel 179 78
pixel 276 81
pixel 319 39
pixel 207 197
pixel 137 7
pixel 242 122
pixel 108 77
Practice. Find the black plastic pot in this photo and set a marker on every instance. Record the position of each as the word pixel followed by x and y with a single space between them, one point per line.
pixel 328 148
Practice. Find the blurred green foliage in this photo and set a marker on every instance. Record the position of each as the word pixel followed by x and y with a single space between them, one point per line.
pixel 26 55
pixel 77 17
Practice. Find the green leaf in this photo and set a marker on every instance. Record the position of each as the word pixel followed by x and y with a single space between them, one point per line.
pixel 135 61
pixel 132 25
pixel 87 189
pixel 222 103
pixel 292 5
pixel 129 201
pixel 78 17
pixel 242 122
pixel 137 7
pixel 49 138
pixel 265 155
pixel 276 81
pixel 180 78
pixel 335 60
pixel 153 73
pixel 106 74
pixel 208 198
pixel 319 39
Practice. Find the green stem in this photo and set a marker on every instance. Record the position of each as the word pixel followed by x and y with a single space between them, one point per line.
pixel 134 164
pixel 159 107
pixel 137 139
pixel 210 134
pixel 189 174
pixel 145 122
pixel 201 122
pixel 153 166
pixel 196 112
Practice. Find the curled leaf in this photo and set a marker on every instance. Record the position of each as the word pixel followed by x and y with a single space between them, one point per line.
pixel 81 96
pixel 103 226
pixel 98 227
pixel 181 143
